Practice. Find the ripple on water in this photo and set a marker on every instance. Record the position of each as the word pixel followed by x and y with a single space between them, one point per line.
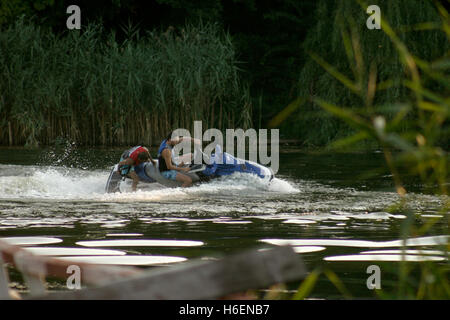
pixel 299 221
pixel 130 260
pixel 30 241
pixel 408 251
pixel 384 257
pixel 62 251
pixel 140 243
pixel 124 234
pixel 421 241
pixel 232 221
pixel 308 249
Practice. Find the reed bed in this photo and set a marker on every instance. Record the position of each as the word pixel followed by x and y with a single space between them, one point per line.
pixel 86 86
pixel 404 107
pixel 341 26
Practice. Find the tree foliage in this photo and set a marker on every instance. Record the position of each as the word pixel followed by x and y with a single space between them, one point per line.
pixel 87 87
pixel 344 51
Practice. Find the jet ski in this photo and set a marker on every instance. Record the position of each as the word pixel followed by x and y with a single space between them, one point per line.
pixel 218 165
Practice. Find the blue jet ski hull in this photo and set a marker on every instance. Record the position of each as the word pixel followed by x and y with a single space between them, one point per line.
pixel 221 164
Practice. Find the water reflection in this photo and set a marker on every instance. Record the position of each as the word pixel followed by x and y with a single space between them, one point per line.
pixel 324 213
pixel 129 260
pixel 140 243
pixel 384 258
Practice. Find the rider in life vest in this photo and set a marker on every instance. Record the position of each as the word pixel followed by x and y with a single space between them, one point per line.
pixel 131 158
pixel 167 165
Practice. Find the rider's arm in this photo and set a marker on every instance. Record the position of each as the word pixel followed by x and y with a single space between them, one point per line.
pixel 188 156
pixel 152 160
pixel 167 156
pixel 127 161
pixel 135 179
pixel 195 141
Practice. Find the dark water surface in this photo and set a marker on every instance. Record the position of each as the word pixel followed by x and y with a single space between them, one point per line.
pixel 60 193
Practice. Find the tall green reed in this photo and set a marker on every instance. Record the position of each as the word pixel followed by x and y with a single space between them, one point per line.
pixel 329 40
pixel 88 87
pixel 406 114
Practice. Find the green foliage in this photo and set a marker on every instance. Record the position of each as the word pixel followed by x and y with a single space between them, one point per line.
pixel 345 54
pixel 197 10
pixel 268 37
pixel 10 10
pixel 406 113
pixel 95 90
pixel 266 34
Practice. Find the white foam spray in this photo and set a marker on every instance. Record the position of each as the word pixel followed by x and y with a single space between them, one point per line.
pixel 34 182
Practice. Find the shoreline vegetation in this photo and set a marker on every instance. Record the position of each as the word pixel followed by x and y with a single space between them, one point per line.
pixel 121 86
pixel 407 112
pixel 345 61
pixel 87 87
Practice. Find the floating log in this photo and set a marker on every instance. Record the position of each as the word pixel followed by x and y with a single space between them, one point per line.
pixel 36 268
pixel 200 279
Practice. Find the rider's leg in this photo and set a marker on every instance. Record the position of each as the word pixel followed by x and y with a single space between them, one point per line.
pixel 186 180
pixel 135 178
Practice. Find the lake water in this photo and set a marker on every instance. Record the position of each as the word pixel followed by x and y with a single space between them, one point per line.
pixel 324 204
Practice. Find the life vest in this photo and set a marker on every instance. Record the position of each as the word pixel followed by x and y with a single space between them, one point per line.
pixel 133 154
pixel 161 160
